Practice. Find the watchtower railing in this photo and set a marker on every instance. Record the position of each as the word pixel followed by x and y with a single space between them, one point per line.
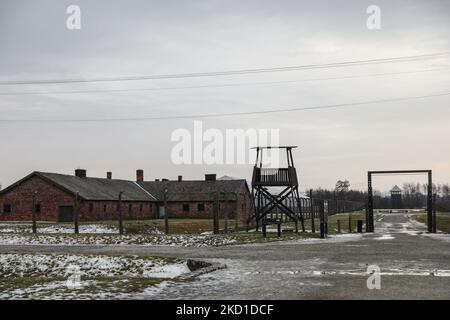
pixel 274 176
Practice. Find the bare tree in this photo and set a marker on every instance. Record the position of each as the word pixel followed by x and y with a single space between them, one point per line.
pixel 445 191
pixel 342 186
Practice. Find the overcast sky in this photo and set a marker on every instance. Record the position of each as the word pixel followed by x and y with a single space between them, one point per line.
pixel 133 38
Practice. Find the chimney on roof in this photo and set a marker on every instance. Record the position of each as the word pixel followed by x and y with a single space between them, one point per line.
pixel 157 180
pixel 180 178
pixel 109 175
pixel 164 179
pixel 210 177
pixel 80 173
pixel 139 175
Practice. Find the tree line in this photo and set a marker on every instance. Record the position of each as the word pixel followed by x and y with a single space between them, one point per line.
pixel 414 195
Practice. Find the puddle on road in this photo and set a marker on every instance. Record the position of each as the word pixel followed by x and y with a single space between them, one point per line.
pixel 357 245
pixel 385 237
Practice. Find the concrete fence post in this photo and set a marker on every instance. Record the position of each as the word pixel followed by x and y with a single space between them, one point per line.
pixel 264 228
pixel 76 214
pixel 359 226
pixel 166 213
pixel 120 213
pixel 33 213
pixel 367 215
pixel 349 223
pixel 322 219
pixel 236 209
pixel 225 213
pixel 434 214
pixel 311 201
pixel 216 213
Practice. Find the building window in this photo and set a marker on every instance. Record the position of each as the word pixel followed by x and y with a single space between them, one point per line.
pixel 7 208
pixel 104 208
pixel 91 207
pixel 201 207
pixel 185 207
pixel 141 207
pixel 37 208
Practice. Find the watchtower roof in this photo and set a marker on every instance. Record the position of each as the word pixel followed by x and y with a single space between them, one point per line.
pixel 396 189
pixel 275 147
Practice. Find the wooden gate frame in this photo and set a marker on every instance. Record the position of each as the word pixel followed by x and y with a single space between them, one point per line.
pixel 430 204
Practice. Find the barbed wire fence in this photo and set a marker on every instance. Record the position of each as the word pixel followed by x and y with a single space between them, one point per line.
pixel 227 210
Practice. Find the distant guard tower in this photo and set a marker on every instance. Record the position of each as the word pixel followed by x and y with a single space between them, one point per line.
pixel 396 198
pixel 275 191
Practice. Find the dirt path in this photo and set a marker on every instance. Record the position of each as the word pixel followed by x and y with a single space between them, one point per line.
pixel 413 265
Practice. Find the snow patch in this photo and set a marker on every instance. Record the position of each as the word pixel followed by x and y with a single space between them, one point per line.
pixel 439 236
pixel 385 237
pixel 54 265
pixel 58 228
pixel 115 239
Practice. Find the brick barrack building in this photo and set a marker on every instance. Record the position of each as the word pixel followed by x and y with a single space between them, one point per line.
pixel 56 196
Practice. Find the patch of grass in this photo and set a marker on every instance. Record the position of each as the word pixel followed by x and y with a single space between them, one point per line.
pixel 118 284
pixel 333 224
pixel 13 283
pixel 442 220
pixel 344 221
pixel 176 226
pixel 44 283
pixel 96 285
pixel 243 237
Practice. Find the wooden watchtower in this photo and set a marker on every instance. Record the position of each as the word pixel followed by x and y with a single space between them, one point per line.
pixel 275 190
pixel 396 198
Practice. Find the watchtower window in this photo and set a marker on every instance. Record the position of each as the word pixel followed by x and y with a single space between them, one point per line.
pixel 7 208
